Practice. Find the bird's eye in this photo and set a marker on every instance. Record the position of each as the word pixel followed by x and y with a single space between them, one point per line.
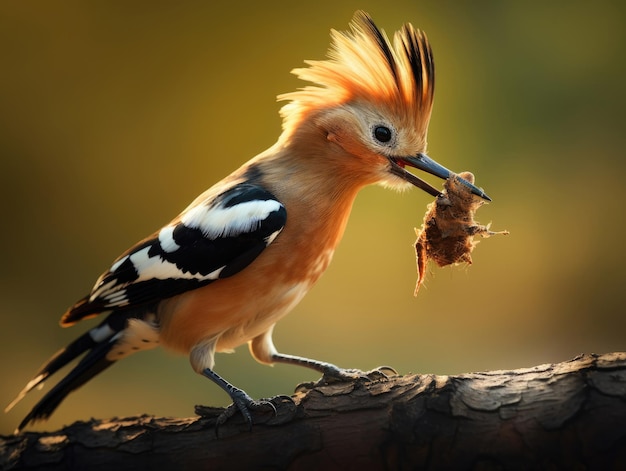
pixel 382 134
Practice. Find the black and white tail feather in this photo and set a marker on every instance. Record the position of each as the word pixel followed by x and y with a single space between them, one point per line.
pixel 216 237
pixel 102 345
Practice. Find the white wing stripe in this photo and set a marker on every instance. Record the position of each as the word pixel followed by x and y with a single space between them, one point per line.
pixel 118 264
pixel 155 267
pixel 102 290
pixel 270 238
pixel 229 216
pixel 166 239
pixel 215 222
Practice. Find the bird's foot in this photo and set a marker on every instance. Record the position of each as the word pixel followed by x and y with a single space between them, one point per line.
pixel 336 374
pixel 333 375
pixel 244 404
pixel 274 411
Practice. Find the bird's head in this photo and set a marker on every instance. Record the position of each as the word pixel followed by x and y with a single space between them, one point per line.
pixel 372 98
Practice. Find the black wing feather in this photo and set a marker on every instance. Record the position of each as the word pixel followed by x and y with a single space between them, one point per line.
pixel 195 256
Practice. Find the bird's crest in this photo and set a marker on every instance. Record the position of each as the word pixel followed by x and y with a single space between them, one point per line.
pixel 363 64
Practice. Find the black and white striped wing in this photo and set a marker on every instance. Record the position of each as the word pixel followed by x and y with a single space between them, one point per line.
pixel 210 240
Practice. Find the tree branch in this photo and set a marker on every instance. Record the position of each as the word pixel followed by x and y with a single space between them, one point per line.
pixel 570 415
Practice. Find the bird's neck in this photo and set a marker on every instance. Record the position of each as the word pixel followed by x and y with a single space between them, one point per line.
pixel 308 177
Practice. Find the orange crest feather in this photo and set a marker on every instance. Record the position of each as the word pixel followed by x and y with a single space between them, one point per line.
pixel 364 65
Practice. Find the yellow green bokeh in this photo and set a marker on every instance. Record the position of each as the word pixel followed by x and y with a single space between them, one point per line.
pixel 115 115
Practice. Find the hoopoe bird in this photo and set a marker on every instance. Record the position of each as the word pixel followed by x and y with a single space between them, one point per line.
pixel 246 251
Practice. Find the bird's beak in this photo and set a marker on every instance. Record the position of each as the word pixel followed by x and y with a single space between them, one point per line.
pixel 425 163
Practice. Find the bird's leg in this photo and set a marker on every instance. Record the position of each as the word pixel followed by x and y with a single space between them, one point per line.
pixel 263 350
pixel 242 402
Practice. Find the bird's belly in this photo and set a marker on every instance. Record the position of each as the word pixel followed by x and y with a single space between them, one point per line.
pixel 204 314
pixel 259 321
pixel 237 309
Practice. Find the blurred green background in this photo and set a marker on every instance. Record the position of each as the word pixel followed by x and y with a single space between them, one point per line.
pixel 114 115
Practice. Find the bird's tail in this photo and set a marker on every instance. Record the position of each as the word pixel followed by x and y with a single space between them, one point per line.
pixel 56 362
pixel 93 363
pixel 103 346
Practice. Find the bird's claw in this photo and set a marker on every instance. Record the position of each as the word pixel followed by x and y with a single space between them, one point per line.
pixel 275 411
pixel 340 375
pixel 244 404
pixel 333 375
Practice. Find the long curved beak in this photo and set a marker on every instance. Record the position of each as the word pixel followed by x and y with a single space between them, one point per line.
pixel 426 164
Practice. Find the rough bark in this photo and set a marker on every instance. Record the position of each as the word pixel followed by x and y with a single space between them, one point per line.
pixel 570 415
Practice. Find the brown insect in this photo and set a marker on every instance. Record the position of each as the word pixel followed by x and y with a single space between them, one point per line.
pixel 447 233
